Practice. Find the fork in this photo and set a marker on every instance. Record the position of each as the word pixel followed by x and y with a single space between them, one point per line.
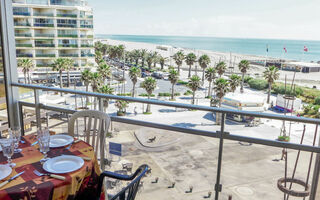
pixel 51 175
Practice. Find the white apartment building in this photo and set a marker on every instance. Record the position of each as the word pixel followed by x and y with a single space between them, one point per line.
pixel 50 29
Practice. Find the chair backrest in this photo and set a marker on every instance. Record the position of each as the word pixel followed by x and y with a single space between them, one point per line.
pixel 95 126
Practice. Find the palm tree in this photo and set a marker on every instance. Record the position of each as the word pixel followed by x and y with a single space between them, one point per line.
pixel 98 57
pixel 234 82
pixel 271 75
pixel 106 89
pixel 149 59
pixel 190 59
pixel 96 82
pixel 221 68
pixel 243 67
pixel 194 84
pixel 135 55
pixel 162 61
pixel 85 77
pixel 221 88
pixel 178 58
pixel 68 65
pixel 155 56
pixel 134 73
pixel 173 77
pixel 210 75
pixel 120 49
pixel 104 70
pixel 59 65
pixel 26 65
pixel 143 54
pixel 204 61
pixel 149 84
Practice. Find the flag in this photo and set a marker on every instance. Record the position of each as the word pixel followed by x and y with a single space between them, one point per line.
pixel 267 48
pixel 305 48
pixel 285 49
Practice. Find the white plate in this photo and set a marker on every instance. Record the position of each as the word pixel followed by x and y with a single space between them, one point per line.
pixel 63 164
pixel 0 149
pixel 5 171
pixel 60 140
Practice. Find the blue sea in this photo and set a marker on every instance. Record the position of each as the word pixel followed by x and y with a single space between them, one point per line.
pixel 234 45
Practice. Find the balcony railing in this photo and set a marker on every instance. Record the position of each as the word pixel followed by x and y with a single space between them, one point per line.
pixel 67 15
pixel 43 25
pixel 86 26
pixel 67 25
pixel 23 45
pixel 23 34
pixel 21 24
pixel 21 13
pixel 69 45
pixel 44 45
pixel 87 55
pixel 45 55
pixel 43 14
pixel 218 134
pixel 86 45
pixel 26 55
pixel 43 35
pixel 68 35
pixel 86 36
pixel 68 55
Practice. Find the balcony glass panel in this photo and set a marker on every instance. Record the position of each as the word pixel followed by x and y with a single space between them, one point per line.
pixel 22 34
pixel 40 2
pixel 43 14
pixel 45 55
pixel 24 55
pixel 43 35
pixel 23 45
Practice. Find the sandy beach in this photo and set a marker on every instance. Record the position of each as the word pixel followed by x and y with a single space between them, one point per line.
pixel 232 60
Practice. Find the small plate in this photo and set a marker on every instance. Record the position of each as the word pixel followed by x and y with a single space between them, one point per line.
pixel 5 171
pixel 60 140
pixel 63 164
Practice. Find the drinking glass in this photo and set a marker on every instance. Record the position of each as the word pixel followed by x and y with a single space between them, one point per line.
pixel 44 146
pixel 7 146
pixel 16 135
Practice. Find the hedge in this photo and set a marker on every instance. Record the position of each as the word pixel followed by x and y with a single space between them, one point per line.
pixel 167 94
pixel 258 84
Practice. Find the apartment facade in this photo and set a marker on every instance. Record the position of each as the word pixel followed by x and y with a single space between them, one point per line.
pixel 50 29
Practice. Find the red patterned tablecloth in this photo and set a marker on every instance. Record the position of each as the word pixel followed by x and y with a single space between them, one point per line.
pixel 81 184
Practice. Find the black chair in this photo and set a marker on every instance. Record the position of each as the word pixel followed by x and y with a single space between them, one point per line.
pixel 130 191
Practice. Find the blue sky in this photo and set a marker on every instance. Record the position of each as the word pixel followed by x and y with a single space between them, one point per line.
pixel 287 19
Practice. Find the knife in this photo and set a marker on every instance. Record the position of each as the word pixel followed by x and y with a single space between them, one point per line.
pixel 36 142
pixel 12 178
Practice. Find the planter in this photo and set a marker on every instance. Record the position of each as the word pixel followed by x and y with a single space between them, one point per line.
pixel 284 138
pixel 120 113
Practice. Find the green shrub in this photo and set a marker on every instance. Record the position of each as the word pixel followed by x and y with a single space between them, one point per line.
pixel 279 88
pixel 125 94
pixel 167 94
pixel 317 100
pixel 188 92
pixel 145 95
pixel 247 79
pixel 180 82
pixel 258 84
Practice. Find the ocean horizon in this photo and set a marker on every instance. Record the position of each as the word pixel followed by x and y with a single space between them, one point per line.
pixel 247 46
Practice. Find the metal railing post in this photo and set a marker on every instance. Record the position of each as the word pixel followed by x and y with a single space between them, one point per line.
pixel 218 186
pixel 315 179
pixel 37 103
pixel 21 119
pixel 100 104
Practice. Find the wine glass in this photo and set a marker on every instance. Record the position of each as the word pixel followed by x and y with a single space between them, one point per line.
pixel 44 146
pixel 16 135
pixel 7 146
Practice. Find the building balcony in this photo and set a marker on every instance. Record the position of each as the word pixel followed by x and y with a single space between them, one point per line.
pixel 43 35
pixel 67 15
pixel 68 55
pixel 21 24
pixel 86 45
pixel 87 55
pixel 23 34
pixel 51 55
pixel 23 45
pixel 43 25
pixel 86 26
pixel 68 35
pixel 67 25
pixel 86 36
pixel 21 13
pixel 44 45
pixel 43 14
pixel 69 45
pixel 24 55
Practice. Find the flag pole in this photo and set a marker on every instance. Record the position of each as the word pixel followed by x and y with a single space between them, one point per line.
pixel 265 63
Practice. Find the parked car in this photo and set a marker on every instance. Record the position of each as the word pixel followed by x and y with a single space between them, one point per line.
pixel 157 75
